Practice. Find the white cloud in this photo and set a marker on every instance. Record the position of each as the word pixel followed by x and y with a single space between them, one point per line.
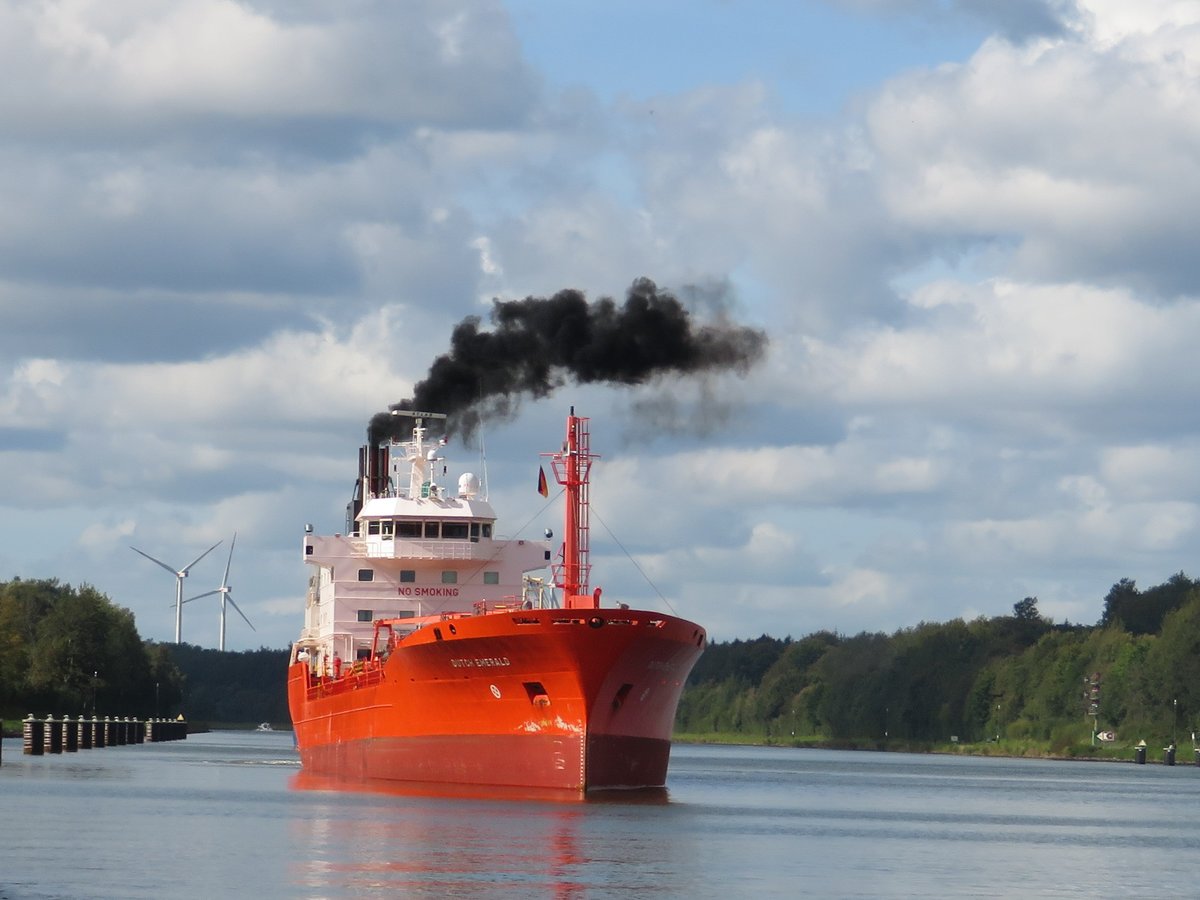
pixel 1016 354
pixel 139 60
pixel 151 425
pixel 100 539
pixel 1045 149
pixel 1110 21
pixel 1149 472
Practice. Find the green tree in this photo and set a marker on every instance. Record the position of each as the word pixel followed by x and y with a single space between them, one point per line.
pixel 854 677
pixel 68 651
pixel 1172 665
pixel 1143 612
pixel 1119 602
pixel 781 686
pixel 1027 610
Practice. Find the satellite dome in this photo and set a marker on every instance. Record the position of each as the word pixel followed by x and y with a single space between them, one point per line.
pixel 468 485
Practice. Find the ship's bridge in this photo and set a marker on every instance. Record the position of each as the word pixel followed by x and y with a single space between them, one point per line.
pixel 399 527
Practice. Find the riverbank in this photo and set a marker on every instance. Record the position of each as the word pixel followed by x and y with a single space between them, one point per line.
pixel 1027 749
pixel 1023 749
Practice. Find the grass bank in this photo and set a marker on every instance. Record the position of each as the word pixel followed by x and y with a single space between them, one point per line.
pixel 1025 748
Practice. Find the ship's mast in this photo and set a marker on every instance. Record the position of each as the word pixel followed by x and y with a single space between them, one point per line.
pixel 572 468
pixel 420 458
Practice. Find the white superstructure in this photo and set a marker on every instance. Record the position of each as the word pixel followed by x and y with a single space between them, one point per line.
pixel 414 548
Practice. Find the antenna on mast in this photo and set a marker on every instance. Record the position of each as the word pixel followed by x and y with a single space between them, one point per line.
pixel 483 463
pixel 421 482
pixel 414 414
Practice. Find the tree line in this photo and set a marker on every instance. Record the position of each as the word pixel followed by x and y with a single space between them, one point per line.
pixel 72 651
pixel 1018 677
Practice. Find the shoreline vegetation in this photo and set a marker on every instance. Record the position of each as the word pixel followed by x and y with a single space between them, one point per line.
pixel 1018 685
pixel 1113 752
pixel 67 651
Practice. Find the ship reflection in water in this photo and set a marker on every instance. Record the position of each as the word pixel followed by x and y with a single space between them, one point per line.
pixel 451 840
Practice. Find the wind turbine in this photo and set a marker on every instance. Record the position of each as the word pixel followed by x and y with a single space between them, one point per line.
pixel 179 574
pixel 226 593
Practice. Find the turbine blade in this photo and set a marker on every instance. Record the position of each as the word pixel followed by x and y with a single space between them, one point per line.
pixel 228 562
pixel 200 557
pixel 155 561
pixel 239 612
pixel 205 594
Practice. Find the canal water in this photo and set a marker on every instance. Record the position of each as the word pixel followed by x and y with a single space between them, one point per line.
pixel 230 814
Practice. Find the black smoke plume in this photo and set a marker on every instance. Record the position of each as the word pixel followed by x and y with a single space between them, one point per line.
pixel 539 344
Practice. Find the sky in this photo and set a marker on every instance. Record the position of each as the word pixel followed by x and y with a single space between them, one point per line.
pixel 230 233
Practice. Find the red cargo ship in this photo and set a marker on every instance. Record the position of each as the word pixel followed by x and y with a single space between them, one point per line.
pixel 432 652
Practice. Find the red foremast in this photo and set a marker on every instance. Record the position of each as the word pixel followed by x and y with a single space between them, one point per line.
pixel 572 468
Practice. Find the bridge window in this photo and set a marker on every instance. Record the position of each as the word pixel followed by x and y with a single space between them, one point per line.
pixel 408 529
pixel 487 529
pixel 373 527
pixel 454 531
pixel 433 529
pixel 387 529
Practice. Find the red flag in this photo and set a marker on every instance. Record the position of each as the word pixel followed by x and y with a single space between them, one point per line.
pixel 542 488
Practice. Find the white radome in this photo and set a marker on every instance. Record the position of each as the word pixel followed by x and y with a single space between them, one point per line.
pixel 468 485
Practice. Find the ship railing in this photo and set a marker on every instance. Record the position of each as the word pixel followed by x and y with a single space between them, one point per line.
pixel 405 627
pixel 366 671
pixel 358 674
pixel 508 604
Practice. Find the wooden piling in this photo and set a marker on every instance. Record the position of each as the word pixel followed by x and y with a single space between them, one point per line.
pixel 52 735
pixel 32 733
pixel 70 735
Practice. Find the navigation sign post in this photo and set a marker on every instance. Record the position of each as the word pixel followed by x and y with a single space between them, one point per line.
pixel 1091 701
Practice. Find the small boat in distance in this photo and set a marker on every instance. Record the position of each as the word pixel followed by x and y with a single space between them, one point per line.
pixel 432 650
pixel 264 726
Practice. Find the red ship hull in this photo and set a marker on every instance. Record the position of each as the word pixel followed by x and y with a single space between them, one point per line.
pixel 565 699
